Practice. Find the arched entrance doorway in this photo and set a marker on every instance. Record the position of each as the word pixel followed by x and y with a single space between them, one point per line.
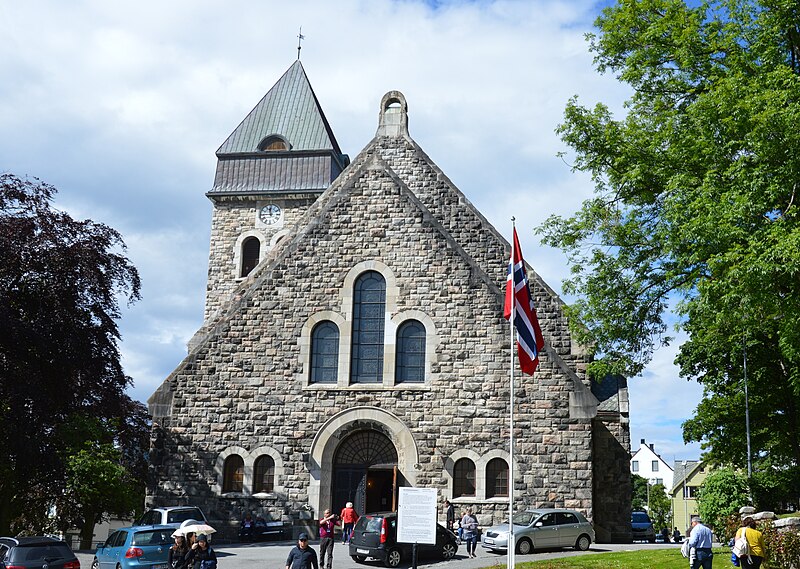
pixel 365 472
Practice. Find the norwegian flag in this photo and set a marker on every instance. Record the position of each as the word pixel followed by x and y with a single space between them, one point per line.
pixel 529 335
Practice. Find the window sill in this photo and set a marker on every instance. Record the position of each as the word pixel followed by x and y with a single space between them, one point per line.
pixel 367 387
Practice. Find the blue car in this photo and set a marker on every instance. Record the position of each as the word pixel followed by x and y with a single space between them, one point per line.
pixel 137 547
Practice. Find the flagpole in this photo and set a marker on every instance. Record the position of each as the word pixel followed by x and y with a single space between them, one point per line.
pixel 513 284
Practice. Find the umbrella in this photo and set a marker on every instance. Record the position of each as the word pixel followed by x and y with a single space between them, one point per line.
pixel 197 529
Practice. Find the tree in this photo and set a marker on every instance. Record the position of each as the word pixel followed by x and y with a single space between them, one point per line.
pixel 639 494
pixel 60 284
pixel 660 507
pixel 695 213
pixel 723 492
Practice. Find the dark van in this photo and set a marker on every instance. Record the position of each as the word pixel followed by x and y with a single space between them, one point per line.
pixel 375 535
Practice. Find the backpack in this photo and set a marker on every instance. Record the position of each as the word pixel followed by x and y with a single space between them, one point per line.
pixel 740 546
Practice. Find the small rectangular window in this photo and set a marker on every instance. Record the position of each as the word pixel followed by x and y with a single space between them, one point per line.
pixel 655 466
pixel 635 466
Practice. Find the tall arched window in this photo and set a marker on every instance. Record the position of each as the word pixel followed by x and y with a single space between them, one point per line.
pixel 410 360
pixel 233 474
pixel 496 478
pixel 264 474
pixel 369 308
pixel 324 353
pixel 463 478
pixel 251 251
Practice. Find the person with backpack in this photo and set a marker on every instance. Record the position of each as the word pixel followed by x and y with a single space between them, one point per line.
pixel 750 542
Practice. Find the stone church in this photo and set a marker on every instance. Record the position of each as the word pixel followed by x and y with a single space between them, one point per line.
pixel 354 343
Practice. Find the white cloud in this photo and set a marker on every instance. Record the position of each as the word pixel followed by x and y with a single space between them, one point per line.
pixel 122 106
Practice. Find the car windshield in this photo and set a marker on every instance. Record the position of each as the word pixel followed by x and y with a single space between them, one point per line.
pixel 525 518
pixel 640 518
pixel 41 552
pixel 370 524
pixel 178 516
pixel 157 537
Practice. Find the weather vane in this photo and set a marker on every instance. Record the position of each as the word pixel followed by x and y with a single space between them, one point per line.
pixel 300 37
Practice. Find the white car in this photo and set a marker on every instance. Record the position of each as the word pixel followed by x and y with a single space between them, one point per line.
pixel 174 516
pixel 542 528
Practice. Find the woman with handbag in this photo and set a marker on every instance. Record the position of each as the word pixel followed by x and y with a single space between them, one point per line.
pixel 756 551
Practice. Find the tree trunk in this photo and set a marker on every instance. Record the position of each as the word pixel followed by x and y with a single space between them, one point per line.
pixel 87 531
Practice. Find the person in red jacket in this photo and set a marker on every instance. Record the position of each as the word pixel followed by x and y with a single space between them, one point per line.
pixel 349 518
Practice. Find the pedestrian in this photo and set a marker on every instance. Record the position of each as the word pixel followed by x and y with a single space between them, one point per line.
pixel 201 556
pixel 676 536
pixel 349 519
pixel 177 553
pixel 326 527
pixel 755 544
pixel 469 531
pixel 450 516
pixel 700 539
pixel 460 529
pixel 302 556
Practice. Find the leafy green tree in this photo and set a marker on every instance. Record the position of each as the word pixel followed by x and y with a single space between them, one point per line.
pixel 639 494
pixel 660 507
pixel 723 492
pixel 695 213
pixel 61 281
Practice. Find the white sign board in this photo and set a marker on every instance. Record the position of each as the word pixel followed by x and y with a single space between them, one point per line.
pixel 416 515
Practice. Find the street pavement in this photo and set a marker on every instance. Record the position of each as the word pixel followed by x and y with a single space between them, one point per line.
pixel 272 555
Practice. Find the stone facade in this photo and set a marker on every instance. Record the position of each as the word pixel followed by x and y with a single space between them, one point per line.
pixel 245 390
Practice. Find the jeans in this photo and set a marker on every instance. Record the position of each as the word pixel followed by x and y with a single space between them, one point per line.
pixel 347 531
pixel 325 545
pixel 703 559
pixel 472 542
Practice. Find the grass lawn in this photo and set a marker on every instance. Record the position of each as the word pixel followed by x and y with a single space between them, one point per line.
pixel 643 559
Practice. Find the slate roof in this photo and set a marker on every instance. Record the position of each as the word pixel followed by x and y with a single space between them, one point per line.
pixel 611 394
pixel 289 109
pixel 681 471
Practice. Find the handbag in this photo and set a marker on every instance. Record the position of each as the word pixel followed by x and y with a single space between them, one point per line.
pixel 740 546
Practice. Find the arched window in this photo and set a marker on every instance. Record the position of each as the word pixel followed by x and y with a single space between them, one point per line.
pixel 273 143
pixel 369 308
pixel 324 353
pixel 264 474
pixel 496 478
pixel 463 478
pixel 251 250
pixel 233 474
pixel 410 360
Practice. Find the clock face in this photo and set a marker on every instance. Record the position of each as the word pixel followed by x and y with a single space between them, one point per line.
pixel 270 214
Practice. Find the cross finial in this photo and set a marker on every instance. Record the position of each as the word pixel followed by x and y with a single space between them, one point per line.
pixel 300 37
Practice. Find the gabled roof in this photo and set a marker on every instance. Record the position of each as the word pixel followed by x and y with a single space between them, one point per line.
pixel 682 471
pixel 290 109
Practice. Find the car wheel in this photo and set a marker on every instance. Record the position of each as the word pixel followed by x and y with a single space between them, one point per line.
pixel 583 543
pixel 95 563
pixel 393 558
pixel 449 550
pixel 524 547
pixel 652 540
pixel 359 558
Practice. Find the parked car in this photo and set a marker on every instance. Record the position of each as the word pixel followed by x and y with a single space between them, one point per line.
pixel 542 528
pixel 36 553
pixel 262 530
pixel 136 547
pixel 641 527
pixel 173 516
pixel 375 535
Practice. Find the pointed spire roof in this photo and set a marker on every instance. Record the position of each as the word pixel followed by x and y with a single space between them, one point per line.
pixel 290 110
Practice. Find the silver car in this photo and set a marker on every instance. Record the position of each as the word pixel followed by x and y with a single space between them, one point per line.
pixel 542 528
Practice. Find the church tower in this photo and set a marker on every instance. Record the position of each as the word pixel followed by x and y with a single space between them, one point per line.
pixel 270 169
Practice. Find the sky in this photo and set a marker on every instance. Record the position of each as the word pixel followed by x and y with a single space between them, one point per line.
pixel 121 106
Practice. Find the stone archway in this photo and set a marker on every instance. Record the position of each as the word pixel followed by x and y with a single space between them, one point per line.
pixel 337 429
